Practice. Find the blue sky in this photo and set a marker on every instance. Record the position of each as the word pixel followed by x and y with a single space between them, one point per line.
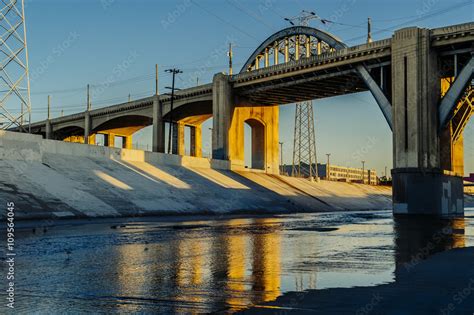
pixel 114 45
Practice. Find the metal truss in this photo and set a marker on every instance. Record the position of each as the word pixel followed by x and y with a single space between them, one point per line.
pixel 15 102
pixel 304 146
pixel 463 111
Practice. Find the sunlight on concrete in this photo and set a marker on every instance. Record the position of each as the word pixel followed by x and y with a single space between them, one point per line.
pixel 154 174
pixel 218 178
pixel 112 180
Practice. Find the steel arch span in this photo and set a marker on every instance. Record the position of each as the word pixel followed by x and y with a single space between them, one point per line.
pixel 290 44
pixel 298 42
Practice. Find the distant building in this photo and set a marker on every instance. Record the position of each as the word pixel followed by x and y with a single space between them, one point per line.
pixel 347 174
pixel 339 173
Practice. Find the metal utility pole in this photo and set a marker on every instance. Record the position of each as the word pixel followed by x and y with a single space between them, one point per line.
pixel 229 54
pixel 369 30
pixel 328 172
pixel 304 147
pixel 281 158
pixel 174 71
pixel 363 172
pixel 15 100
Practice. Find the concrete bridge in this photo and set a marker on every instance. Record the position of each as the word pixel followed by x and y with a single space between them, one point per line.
pixel 420 78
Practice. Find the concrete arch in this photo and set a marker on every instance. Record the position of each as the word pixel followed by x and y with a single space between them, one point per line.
pixel 200 110
pixel 125 125
pixel 70 133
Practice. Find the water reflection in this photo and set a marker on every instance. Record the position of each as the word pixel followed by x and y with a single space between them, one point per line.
pixel 417 238
pixel 203 266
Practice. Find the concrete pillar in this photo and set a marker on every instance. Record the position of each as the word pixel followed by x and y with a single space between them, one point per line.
pixel 178 138
pixel 110 140
pixel 222 111
pixel 127 142
pixel 87 127
pixel 196 141
pixel 452 153
pixel 419 184
pixel 49 130
pixel 106 139
pixel 158 138
pixel 91 139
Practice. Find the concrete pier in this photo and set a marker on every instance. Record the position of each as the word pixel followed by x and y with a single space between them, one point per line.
pixel 420 184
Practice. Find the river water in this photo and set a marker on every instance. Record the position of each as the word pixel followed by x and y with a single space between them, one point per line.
pixel 205 264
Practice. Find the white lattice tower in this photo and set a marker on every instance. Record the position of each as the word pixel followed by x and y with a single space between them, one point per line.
pixel 15 103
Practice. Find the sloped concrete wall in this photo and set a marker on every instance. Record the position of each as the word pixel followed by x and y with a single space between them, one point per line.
pixel 54 179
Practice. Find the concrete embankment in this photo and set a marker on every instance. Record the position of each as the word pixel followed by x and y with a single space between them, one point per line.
pixel 54 179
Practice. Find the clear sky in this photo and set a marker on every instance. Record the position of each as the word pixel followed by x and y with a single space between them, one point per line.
pixel 114 44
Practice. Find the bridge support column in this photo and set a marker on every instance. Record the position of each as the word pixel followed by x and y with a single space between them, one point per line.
pixel 87 127
pixel 178 138
pixel 127 142
pixel 109 140
pixel 196 141
pixel 452 153
pixel 91 139
pixel 420 186
pixel 49 130
pixel 158 137
pixel 222 111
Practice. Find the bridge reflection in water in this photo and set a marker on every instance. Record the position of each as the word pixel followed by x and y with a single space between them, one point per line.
pixel 225 269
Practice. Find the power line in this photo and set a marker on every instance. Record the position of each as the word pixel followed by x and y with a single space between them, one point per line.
pixel 424 17
pixel 223 20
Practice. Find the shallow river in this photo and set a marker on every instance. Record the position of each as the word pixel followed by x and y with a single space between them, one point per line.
pixel 203 264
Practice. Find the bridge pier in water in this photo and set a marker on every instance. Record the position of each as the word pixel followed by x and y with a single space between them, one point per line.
pixel 427 174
